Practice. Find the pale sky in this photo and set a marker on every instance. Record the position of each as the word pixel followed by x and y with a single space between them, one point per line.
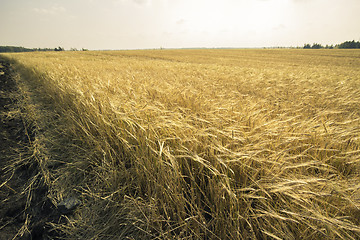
pixel 141 24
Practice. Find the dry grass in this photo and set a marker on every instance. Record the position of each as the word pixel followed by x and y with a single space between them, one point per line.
pixel 200 144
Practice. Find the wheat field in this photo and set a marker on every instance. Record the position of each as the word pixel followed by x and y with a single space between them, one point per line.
pixel 199 144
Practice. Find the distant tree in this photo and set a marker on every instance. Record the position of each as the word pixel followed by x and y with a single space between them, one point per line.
pixel 59 49
pixel 314 46
pixel 317 46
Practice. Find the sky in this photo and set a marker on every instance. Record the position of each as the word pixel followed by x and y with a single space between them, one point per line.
pixel 144 24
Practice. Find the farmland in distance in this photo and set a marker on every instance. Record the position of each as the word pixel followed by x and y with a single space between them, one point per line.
pixel 198 144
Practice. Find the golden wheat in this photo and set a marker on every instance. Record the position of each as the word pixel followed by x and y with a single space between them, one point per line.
pixel 201 144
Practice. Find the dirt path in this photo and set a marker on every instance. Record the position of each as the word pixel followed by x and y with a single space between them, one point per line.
pixel 12 202
pixel 24 213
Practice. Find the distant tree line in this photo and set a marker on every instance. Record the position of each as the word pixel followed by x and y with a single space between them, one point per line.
pixel 345 45
pixel 349 44
pixel 22 49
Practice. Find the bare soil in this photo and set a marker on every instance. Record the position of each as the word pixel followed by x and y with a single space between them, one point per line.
pixel 25 211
